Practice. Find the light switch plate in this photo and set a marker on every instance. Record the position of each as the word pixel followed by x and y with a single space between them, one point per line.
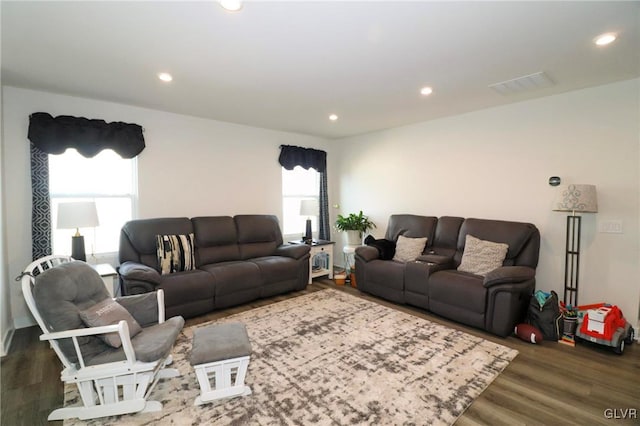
pixel 610 226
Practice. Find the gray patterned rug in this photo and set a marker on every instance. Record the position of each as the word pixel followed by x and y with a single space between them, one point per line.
pixel 329 358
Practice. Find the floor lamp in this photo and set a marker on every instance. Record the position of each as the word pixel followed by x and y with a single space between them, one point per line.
pixel 574 199
pixel 80 214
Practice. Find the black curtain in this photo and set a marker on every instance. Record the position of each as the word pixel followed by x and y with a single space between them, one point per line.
pixel 49 135
pixel 89 137
pixel 292 156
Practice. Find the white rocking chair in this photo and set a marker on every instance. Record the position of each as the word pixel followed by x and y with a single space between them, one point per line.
pixel 113 382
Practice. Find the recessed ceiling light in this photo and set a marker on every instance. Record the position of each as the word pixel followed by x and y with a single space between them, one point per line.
pixel 426 91
pixel 165 76
pixel 231 5
pixel 604 39
pixel 333 117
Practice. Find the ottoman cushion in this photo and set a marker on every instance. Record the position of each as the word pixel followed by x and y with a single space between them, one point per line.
pixel 219 342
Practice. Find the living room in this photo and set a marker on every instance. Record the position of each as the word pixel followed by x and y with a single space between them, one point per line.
pixel 489 162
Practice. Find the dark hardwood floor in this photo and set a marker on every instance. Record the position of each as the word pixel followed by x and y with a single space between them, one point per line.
pixel 548 384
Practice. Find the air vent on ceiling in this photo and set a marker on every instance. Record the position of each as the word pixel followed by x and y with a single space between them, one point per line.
pixel 538 80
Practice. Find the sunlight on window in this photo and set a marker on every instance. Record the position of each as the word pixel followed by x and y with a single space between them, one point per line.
pixel 297 185
pixel 107 179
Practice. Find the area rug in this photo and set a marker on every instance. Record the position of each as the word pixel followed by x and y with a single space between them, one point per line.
pixel 329 358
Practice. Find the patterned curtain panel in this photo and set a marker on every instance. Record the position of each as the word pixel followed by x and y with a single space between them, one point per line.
pixel 323 223
pixel 292 156
pixel 41 206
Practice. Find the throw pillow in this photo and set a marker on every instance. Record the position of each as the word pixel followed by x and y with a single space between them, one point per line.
pixel 481 257
pixel 109 312
pixel 386 249
pixel 408 249
pixel 175 253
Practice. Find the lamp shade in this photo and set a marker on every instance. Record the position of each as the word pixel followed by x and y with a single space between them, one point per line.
pixel 309 207
pixel 80 214
pixel 576 198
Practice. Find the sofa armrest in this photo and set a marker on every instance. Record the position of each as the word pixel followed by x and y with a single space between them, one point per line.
pixel 139 272
pixel 436 259
pixel 294 251
pixel 367 253
pixel 143 307
pixel 509 274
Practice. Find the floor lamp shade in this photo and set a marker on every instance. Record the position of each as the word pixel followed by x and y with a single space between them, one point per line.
pixel 80 214
pixel 309 208
pixel 574 199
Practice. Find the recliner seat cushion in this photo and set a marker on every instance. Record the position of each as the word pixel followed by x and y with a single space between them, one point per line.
pixel 458 288
pixel 152 343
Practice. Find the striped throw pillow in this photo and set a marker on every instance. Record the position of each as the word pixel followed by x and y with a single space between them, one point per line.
pixel 175 253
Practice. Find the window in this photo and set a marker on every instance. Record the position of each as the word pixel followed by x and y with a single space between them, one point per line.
pixel 297 185
pixel 106 178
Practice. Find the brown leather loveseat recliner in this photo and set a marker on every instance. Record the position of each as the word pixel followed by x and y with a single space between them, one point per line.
pixel 237 259
pixel 495 302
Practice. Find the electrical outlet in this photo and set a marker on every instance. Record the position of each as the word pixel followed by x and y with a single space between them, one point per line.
pixel 610 226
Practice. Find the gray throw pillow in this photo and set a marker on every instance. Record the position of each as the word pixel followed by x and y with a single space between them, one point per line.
pixel 408 249
pixel 481 257
pixel 109 312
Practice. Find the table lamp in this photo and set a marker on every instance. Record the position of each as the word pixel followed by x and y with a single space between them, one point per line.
pixel 80 214
pixel 309 208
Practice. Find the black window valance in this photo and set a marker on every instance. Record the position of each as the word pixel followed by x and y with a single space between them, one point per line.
pixel 291 156
pixel 89 137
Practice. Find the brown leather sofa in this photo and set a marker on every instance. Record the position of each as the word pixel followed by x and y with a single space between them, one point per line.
pixel 495 302
pixel 238 259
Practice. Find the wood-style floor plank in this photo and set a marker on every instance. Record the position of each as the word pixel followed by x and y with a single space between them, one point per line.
pixel 548 384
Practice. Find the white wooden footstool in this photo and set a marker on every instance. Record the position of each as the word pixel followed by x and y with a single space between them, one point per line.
pixel 220 355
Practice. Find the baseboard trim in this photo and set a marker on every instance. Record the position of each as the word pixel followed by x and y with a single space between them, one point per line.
pixel 6 342
pixel 23 322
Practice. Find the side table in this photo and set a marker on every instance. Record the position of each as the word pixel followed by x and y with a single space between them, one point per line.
pixel 320 258
pixel 109 276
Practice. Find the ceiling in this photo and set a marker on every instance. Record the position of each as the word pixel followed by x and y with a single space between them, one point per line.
pixel 288 65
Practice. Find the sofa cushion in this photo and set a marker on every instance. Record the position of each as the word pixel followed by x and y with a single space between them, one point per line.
pixel 235 282
pixel 460 289
pixel 411 225
pixel 258 235
pixel 523 239
pixel 216 239
pixel 408 249
pixel 184 287
pixel 109 312
pixel 138 238
pixel 481 257
pixel 175 253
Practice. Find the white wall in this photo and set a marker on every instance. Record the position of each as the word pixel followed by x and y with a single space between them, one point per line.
pixel 6 322
pixel 495 163
pixel 190 167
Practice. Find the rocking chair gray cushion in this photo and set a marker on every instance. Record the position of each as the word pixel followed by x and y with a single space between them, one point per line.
pixel 150 344
pixel 61 293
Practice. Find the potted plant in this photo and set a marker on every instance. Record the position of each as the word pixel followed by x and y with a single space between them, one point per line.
pixel 355 225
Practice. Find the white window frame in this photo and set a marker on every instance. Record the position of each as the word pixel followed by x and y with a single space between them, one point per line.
pixel 63 196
